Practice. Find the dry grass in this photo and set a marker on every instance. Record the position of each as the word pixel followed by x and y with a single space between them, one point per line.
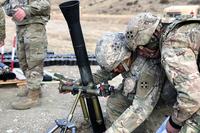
pixel 95 21
pixel 93 26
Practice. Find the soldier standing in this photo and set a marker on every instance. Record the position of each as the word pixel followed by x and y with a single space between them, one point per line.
pixel 30 17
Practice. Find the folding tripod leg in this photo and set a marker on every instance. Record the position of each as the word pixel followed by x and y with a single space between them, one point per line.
pixel 70 116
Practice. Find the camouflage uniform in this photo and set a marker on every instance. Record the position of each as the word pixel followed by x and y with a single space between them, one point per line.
pixel 2 25
pixel 31 38
pixel 138 93
pixel 2 22
pixel 180 47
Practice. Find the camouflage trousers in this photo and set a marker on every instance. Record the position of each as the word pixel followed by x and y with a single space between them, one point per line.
pixel 117 104
pixel 31 51
pixel 2 25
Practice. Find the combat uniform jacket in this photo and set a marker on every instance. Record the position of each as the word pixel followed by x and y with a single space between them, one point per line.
pixel 2 25
pixel 37 11
pixel 180 46
pixel 142 85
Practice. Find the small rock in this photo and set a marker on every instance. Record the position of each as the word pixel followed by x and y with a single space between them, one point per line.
pixel 9 131
pixel 15 120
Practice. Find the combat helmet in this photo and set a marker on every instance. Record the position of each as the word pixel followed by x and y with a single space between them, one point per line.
pixel 111 50
pixel 140 29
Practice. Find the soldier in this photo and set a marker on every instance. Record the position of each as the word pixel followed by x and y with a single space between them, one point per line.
pixel 137 95
pixel 179 45
pixel 30 17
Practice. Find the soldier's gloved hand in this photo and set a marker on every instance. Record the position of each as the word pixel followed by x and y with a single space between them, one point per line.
pixel 105 89
pixel 69 84
pixel 19 14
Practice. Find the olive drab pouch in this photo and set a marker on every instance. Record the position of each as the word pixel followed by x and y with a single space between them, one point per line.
pixel 180 21
pixel 145 84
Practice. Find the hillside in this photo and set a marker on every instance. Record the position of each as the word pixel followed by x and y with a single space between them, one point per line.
pixel 98 16
pixel 123 6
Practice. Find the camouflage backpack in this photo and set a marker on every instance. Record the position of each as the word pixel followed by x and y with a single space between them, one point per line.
pixel 178 22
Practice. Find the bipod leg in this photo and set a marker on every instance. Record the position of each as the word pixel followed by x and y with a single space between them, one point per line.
pixel 53 129
pixel 66 124
pixel 70 116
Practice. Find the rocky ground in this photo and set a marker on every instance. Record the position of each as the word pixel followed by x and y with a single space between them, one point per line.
pixel 53 106
pixel 97 17
pixel 38 119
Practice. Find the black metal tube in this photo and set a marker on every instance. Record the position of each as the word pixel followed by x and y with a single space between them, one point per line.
pixel 70 10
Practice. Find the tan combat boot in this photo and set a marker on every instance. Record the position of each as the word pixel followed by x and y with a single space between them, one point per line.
pixel 22 91
pixel 33 99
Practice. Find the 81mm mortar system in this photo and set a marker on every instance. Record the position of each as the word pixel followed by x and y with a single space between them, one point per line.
pixel 70 10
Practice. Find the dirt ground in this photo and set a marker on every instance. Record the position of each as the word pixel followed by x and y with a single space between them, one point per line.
pixel 39 119
pixel 95 21
pixel 53 106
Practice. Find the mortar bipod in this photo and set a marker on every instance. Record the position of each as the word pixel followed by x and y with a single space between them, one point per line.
pixel 66 124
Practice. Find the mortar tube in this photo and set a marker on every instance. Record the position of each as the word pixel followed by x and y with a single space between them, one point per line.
pixel 70 10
